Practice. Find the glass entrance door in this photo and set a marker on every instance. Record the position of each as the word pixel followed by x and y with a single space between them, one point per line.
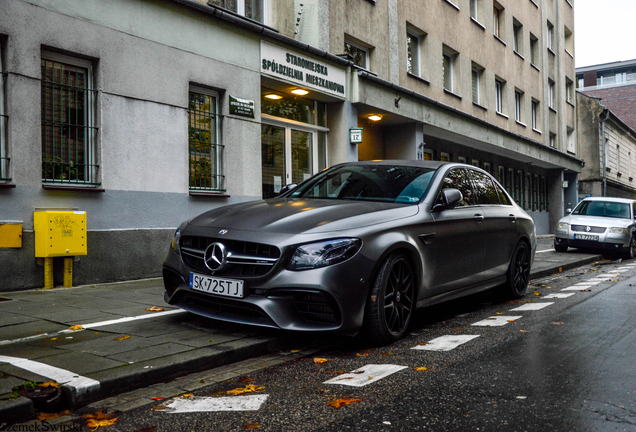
pixel 288 156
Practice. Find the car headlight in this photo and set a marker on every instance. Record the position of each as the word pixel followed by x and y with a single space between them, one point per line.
pixel 322 254
pixel 175 240
pixel 562 225
pixel 619 230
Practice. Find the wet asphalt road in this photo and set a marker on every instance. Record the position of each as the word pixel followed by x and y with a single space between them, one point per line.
pixel 567 367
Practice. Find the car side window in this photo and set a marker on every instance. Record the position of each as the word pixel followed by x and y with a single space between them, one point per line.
pixel 484 188
pixel 503 198
pixel 457 178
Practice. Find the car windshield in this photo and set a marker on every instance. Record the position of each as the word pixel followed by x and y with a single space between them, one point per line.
pixel 603 208
pixel 386 183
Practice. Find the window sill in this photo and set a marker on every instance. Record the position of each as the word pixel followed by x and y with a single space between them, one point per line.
pixel 452 4
pixel 503 115
pixel 569 53
pixel 520 56
pixel 478 24
pixel 553 110
pixel 7 185
pixel 480 106
pixel 537 131
pixel 631 178
pixel 521 124
pixel 73 188
pixel 452 94
pixel 497 37
pixel 208 194
pixel 534 3
pixel 619 174
pixel 551 52
pixel 372 2
pixel 535 66
pixel 570 103
pixel 608 169
pixel 568 2
pixel 418 78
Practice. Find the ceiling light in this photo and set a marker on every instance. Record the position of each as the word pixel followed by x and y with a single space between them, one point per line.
pixel 273 96
pixel 299 92
pixel 375 117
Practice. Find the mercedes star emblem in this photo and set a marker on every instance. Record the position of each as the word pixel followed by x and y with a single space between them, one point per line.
pixel 588 229
pixel 215 256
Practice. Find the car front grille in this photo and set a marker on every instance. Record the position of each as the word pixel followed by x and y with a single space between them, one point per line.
pixel 316 307
pixel 244 259
pixel 582 228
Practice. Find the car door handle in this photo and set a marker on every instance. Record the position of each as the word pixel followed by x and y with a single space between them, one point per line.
pixel 512 218
pixel 479 218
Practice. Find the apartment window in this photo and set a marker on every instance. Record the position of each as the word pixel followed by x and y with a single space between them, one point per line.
pixel 68 121
pixel 553 140
pixel 535 114
pixel 359 54
pixel 475 162
pixel 629 166
pixel 518 192
pixel 477 73
pixel 444 157
pixel 4 157
pixel 449 63
pixel 497 18
pixel 413 53
pixel 534 43
pixel 569 41
pixel 510 180
pixel 551 94
pixel 571 140
pixel 474 9
pixel 461 159
pixel 203 140
pixel 517 36
pixel 427 154
pixel 550 36
pixel 518 99
pixel 501 173
pixel 569 90
pixel 499 95
pixel 253 9
pixel 618 159
pixel 487 167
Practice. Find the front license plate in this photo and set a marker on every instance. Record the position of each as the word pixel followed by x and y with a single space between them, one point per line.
pixel 218 286
pixel 585 237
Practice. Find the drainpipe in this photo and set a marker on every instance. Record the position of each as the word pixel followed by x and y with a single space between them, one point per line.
pixel 605 112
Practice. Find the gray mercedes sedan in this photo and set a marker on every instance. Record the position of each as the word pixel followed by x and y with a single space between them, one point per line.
pixel 358 246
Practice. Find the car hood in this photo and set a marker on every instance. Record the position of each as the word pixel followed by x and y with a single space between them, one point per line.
pixel 596 221
pixel 295 216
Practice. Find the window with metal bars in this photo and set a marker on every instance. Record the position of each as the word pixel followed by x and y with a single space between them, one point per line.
pixel 204 141
pixel 68 129
pixel 4 157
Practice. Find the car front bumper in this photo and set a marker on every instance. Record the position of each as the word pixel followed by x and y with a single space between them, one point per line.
pixel 606 241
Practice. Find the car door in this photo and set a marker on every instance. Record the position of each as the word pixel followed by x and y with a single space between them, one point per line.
pixel 500 223
pixel 459 237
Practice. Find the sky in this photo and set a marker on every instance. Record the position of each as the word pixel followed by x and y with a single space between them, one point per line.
pixel 604 31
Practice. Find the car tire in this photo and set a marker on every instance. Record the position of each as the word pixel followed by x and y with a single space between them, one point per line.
pixel 560 248
pixel 518 272
pixel 391 301
pixel 631 250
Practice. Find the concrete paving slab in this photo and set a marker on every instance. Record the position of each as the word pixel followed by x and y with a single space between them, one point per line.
pixel 71 315
pixel 81 363
pixel 27 351
pixel 29 329
pixel 151 352
pixel 7 383
pixel 108 346
pixel 11 319
pixel 195 338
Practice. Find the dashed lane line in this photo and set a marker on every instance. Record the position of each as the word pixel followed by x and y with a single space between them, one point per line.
pixel 366 375
pixel 216 404
pixel 445 343
pixel 496 321
pixel 558 295
pixel 531 307
pixel 577 288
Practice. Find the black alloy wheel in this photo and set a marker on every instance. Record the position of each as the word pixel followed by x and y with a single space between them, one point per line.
pixel 518 272
pixel 391 301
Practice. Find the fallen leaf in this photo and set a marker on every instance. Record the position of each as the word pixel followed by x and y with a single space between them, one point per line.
pixel 99 419
pixel 423 343
pixel 250 388
pixel 245 379
pixel 49 416
pixel 202 382
pixel 512 320
pixel 335 373
pixel 560 269
pixel 157 398
pixel 386 354
pixel 53 338
pixel 362 354
pixel 159 408
pixel 147 429
pixel 155 309
pixel 50 384
pixel 337 403
pixel 295 351
pixel 421 369
pixel 537 293
pixel 548 287
pixel 524 331
pixel 557 323
pixel 319 360
pixel 358 372
pixel 586 290
pixel 76 327
pixel 499 313
pixel 187 395
pixel 250 425
pixel 323 391
pixel 122 338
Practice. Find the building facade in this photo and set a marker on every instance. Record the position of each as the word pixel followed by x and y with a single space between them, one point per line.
pixel 144 113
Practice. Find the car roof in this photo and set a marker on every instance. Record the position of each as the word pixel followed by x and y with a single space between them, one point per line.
pixel 411 163
pixel 610 199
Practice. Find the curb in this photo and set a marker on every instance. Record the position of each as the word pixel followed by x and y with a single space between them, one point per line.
pixel 554 270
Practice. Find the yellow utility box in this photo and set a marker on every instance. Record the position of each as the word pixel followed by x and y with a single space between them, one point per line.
pixel 10 235
pixel 59 233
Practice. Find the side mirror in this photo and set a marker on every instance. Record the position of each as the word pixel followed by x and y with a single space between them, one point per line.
pixel 568 211
pixel 450 199
pixel 287 188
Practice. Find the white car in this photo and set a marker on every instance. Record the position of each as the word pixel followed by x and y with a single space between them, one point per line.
pixel 599 223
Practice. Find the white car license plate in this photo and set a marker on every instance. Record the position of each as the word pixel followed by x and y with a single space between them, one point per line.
pixel 585 237
pixel 214 285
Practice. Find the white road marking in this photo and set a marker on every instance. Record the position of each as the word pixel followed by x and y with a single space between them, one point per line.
pixel 214 404
pixel 559 295
pixel 588 283
pixel 366 375
pixel 496 321
pixel 600 278
pixel 576 288
pixel 531 307
pixel 445 343
pixel 92 325
pixel 547 250
pixel 78 383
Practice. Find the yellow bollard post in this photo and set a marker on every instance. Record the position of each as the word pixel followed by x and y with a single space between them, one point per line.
pixel 68 272
pixel 48 273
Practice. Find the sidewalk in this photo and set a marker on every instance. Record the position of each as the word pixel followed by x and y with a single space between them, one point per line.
pixel 122 346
